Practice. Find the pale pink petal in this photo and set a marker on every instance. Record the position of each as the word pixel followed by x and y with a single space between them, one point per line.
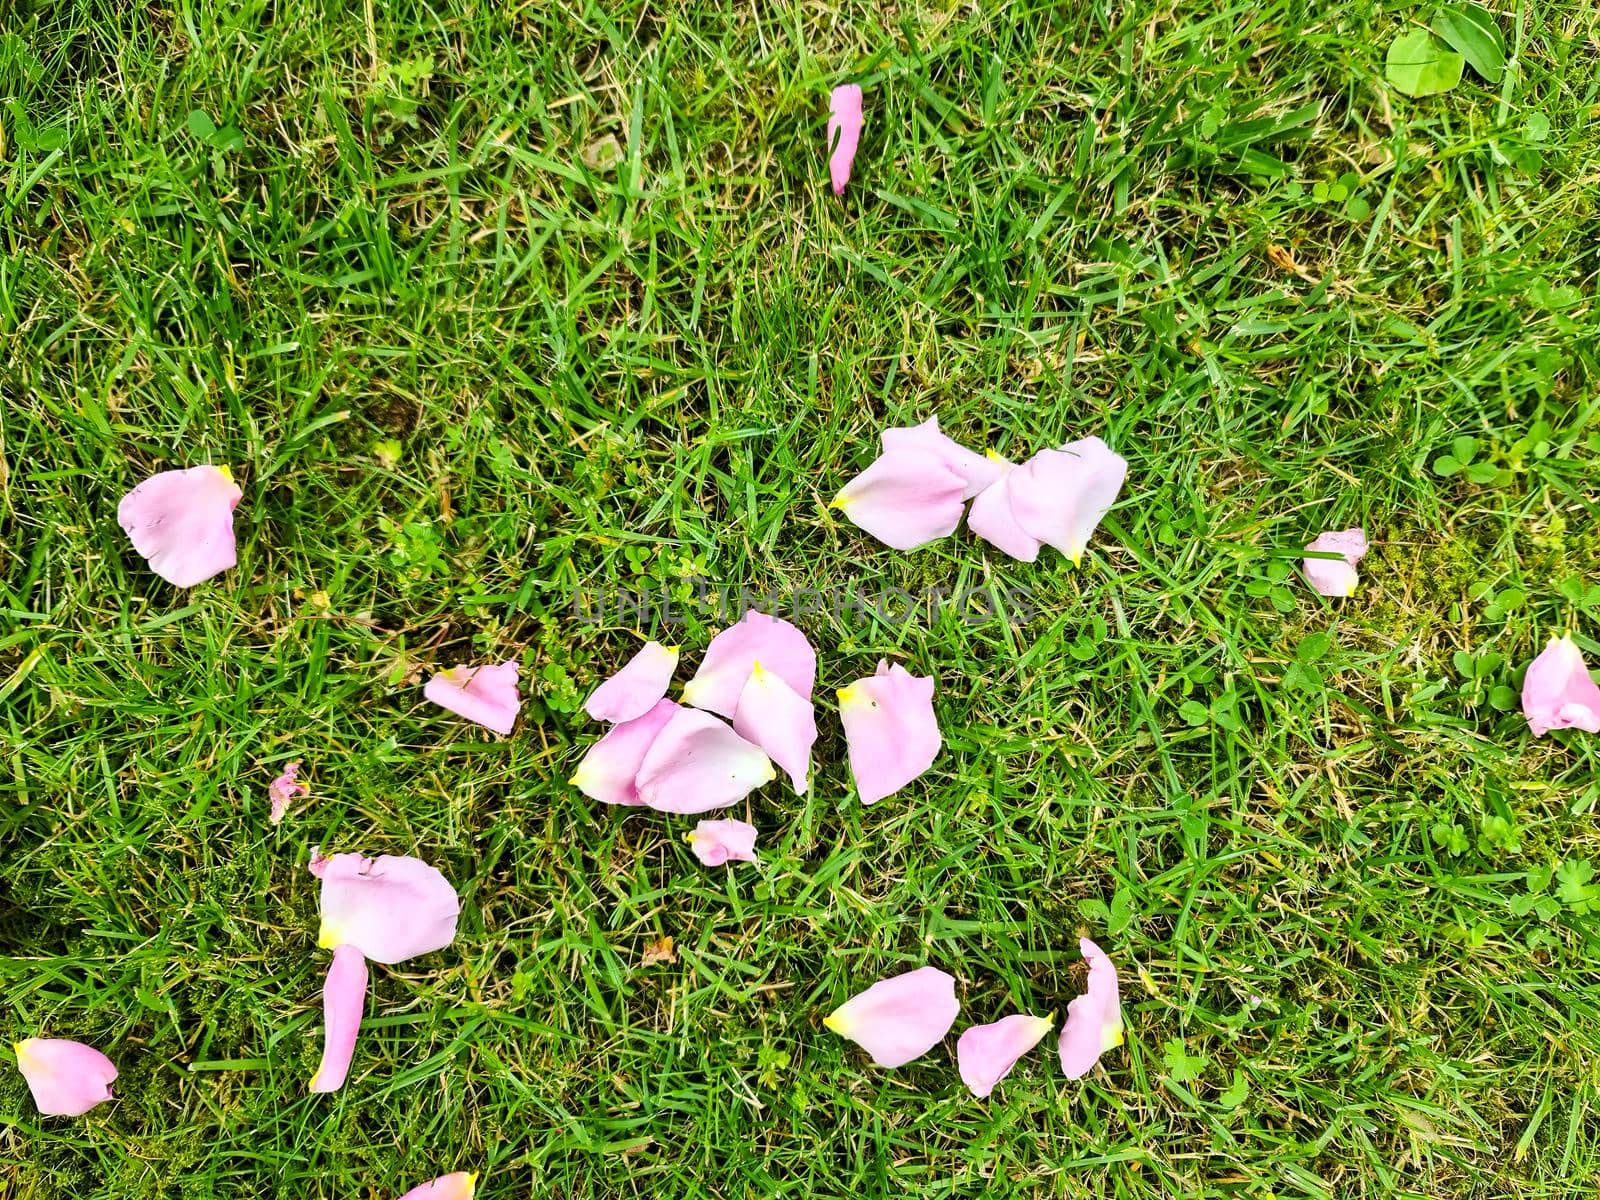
pixel 1336 576
pixel 991 518
pixel 608 770
pixel 634 690
pixel 779 646
pixel 486 696
pixel 283 790
pixel 889 729
pixel 779 720
pixel 977 471
pixel 181 522
pixel 390 908
pixel 844 121
pixel 459 1186
pixel 344 994
pixel 1059 496
pixel 718 842
pixel 1094 1019
pixel 1557 691
pixel 905 499
pixel 66 1078
pixel 900 1018
pixel 985 1054
pixel 698 763
pixel 318 865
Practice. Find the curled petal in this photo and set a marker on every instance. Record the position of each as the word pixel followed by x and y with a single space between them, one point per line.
pixel 283 790
pixel 1336 576
pixel 900 1018
pixel 718 842
pixel 889 729
pixel 1557 691
pixel 486 696
pixel 459 1186
pixel 343 996
pixel 1059 496
pixel 698 763
pixel 783 723
pixel 905 499
pixel 985 1054
pixel 66 1078
pixel 608 770
pixel 181 522
pixel 634 690
pixel 992 518
pixel 1094 1019
pixel 977 471
pixel 733 653
pixel 844 123
pixel 390 908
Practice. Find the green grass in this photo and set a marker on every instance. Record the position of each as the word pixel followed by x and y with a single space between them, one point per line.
pixel 1063 222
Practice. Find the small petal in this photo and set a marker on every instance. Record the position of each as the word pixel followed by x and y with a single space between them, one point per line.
pixel 985 1054
pixel 905 499
pixel 992 518
pixel 844 121
pixel 900 1018
pixel 459 1186
pixel 1094 1019
pixel 66 1078
pixel 608 770
pixel 634 690
pixel 784 724
pixel 1557 691
pixel 890 730
pixel 181 522
pixel 1059 496
pixel 718 842
pixel 486 696
pixel 698 763
pixel 1332 576
pixel 283 790
pixel 733 653
pixel 344 994
pixel 390 908
pixel 977 471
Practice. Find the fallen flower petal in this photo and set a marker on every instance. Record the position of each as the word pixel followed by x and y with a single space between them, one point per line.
pixel 844 121
pixel 1558 692
pixel 608 770
pixel 1336 576
pixel 344 994
pixel 634 690
pixel 181 522
pixel 1094 1019
pixel 66 1078
pixel 905 499
pixel 732 655
pixel 985 1054
pixel 783 723
pixel 459 1186
pixel 390 908
pixel 992 518
pixel 717 842
pixel 900 1018
pixel 486 696
pixel 698 763
pixel 1060 496
pixel 977 471
pixel 889 729
pixel 283 790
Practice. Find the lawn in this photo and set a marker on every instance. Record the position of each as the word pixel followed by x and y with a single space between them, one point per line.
pixel 492 305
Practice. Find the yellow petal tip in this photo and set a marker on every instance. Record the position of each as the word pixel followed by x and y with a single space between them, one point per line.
pixel 225 473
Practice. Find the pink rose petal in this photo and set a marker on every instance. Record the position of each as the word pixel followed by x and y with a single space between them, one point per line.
pixel 977 471
pixel 486 696
pixel 733 653
pixel 1334 576
pixel 634 690
pixel 900 1018
pixel 66 1078
pixel 783 723
pixel 717 842
pixel 459 1186
pixel 985 1054
pixel 698 763
pixel 390 908
pixel 844 133
pixel 905 499
pixel 890 730
pixel 1060 496
pixel 283 790
pixel 1558 692
pixel 344 994
pixel 992 518
pixel 608 770
pixel 1094 1019
pixel 181 522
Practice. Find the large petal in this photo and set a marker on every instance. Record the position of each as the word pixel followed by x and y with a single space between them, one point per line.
pixel 889 729
pixel 718 842
pixel 608 770
pixel 844 123
pixel 733 653
pixel 992 518
pixel 985 1054
pixel 634 690
pixel 390 908
pixel 783 723
pixel 1336 576
pixel 486 696
pixel 905 499
pixel 1557 691
pixel 1094 1019
pixel 1059 496
pixel 344 994
pixel 900 1018
pixel 66 1078
pixel 698 763
pixel 459 1186
pixel 977 471
pixel 181 522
